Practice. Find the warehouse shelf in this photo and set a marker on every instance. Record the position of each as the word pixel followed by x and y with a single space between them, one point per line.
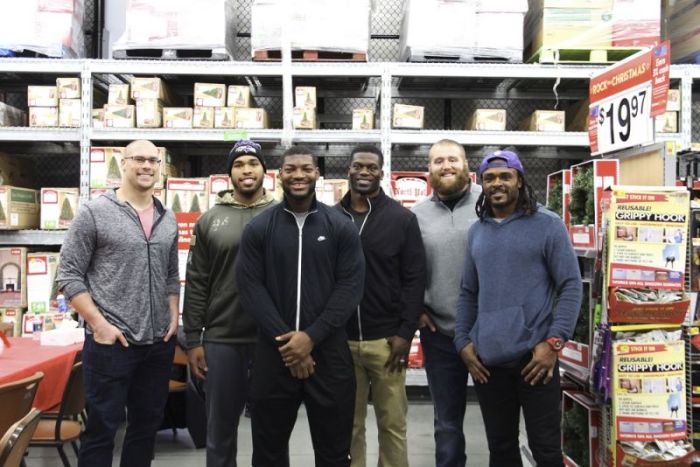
pixel 183 134
pixel 32 237
pixel 177 67
pixel 337 136
pixel 41 65
pixel 39 134
pixel 483 138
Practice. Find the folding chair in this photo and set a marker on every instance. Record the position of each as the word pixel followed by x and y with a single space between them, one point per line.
pixel 16 400
pixel 14 444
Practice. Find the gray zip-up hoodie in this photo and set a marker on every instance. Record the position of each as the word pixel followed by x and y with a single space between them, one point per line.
pixel 444 235
pixel 129 277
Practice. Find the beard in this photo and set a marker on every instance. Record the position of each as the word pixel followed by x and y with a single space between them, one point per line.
pixel 244 191
pixel 450 188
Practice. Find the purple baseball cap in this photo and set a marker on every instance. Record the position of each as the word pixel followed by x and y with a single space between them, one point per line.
pixel 501 159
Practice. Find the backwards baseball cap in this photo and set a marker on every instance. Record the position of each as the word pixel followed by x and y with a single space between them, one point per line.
pixel 501 159
pixel 245 147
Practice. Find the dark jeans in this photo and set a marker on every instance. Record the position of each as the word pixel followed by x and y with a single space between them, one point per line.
pixel 226 389
pixel 115 377
pixel 328 395
pixel 501 399
pixel 447 380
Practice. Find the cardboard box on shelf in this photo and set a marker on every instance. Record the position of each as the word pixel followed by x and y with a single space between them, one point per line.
pixel 218 183
pixel 304 118
pixel 12 116
pixel 224 117
pixel 41 282
pixel 250 118
pixel 98 118
pixel 12 316
pixel 305 96
pixel 568 27
pixel 209 95
pixel 105 170
pixel 119 116
pixel 43 117
pixel 409 187
pixel 118 94
pixel 58 207
pixel 203 117
pixel 149 88
pixel 545 120
pixel 487 120
pixel 177 117
pixel 16 171
pixel 331 191
pixel 408 116
pixel 19 208
pixel 673 103
pixel 69 111
pixel 13 280
pixel 577 116
pixel 42 96
pixel 68 88
pixel 238 96
pixel 187 195
pixel 149 113
pixel 362 119
pixel 667 122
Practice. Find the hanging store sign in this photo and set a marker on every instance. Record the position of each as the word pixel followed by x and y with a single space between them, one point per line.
pixel 624 99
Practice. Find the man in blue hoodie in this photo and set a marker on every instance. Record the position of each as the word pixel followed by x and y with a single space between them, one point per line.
pixel 519 301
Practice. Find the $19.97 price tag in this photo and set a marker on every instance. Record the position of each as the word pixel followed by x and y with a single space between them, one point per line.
pixel 624 119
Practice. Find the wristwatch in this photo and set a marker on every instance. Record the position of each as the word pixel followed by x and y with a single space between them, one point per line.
pixel 555 343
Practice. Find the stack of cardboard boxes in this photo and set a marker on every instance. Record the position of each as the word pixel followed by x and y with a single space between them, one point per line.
pixel 55 106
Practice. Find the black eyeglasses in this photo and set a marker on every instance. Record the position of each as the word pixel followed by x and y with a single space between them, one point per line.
pixel 139 160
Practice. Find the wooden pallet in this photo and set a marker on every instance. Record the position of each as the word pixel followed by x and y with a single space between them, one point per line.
pixel 216 54
pixel 583 56
pixel 457 56
pixel 275 55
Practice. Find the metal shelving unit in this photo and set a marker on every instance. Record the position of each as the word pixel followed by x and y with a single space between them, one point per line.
pixel 32 237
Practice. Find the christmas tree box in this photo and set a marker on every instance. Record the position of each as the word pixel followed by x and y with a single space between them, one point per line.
pixel 118 94
pixel 203 117
pixel 98 118
pixel 13 277
pixel 43 117
pixel 149 113
pixel 104 166
pixel 41 282
pixel 238 96
pixel 58 207
pixel 331 191
pixel 545 120
pixel 254 119
pixel 673 103
pixel 487 120
pixel 218 183
pixel 68 88
pixel 13 317
pixel 19 208
pixel 119 116
pixel 667 122
pixel 177 117
pixel 580 422
pixel 224 117
pixel 69 113
pixel 305 96
pixel 304 118
pixel 209 95
pixel 362 119
pixel 187 195
pixel 42 96
pixel 149 88
pixel 408 116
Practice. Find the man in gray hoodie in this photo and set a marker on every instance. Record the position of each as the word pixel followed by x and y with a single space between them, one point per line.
pixel 444 220
pixel 119 270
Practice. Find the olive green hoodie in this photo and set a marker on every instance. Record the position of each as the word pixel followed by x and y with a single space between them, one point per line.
pixel 211 312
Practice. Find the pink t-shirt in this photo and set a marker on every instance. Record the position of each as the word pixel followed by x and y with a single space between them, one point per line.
pixel 146 218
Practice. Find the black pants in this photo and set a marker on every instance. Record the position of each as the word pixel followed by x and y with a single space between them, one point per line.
pixel 329 397
pixel 501 399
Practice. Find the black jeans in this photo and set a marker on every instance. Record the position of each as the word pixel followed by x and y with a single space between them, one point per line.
pixel 501 399
pixel 328 395
pixel 115 377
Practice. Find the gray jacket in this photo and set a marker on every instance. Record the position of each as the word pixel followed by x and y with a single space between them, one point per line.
pixel 445 239
pixel 106 254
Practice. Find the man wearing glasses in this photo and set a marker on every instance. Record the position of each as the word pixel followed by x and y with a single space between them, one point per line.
pixel 119 269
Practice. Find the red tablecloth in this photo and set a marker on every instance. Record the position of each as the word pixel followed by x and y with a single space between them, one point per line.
pixel 26 357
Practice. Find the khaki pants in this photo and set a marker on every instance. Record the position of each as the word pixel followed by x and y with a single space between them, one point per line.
pixel 389 400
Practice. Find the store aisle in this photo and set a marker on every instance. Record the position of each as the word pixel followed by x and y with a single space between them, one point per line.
pixel 179 452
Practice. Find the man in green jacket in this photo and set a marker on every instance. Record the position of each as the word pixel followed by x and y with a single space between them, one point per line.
pixel 220 335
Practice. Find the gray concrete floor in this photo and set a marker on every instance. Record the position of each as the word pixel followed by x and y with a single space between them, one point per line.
pixel 180 452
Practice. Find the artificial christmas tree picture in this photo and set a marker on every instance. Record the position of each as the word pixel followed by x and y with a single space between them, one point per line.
pixel 58 207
